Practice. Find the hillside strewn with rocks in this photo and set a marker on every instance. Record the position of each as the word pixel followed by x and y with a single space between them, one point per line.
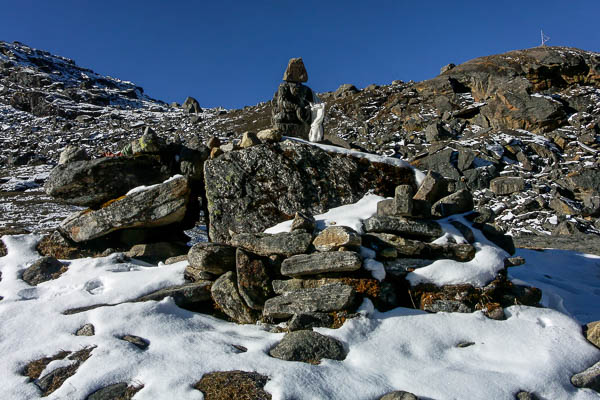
pixel 509 144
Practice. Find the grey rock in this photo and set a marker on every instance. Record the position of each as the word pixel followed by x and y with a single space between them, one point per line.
pixel 464 230
pixel 270 135
pixel 149 143
pixel 344 90
pixel 318 263
pixel 492 234
pixel 514 261
pixel 214 258
pixel 72 153
pixel 155 252
pixel 160 205
pixel 291 285
pixel 253 189
pixel 456 203
pixel 308 346
pixel 264 244
pixel 436 132
pixel 249 139
pixel 176 259
pixel 111 392
pixel 233 385
pixel 424 229
pixel 291 113
pixel 191 106
pixel 400 395
pixel 91 183
pixel 309 320
pixel 403 200
pixel 465 159
pixel 386 208
pixel 86 330
pixel 194 274
pixel 137 341
pixel 590 378
pixel 480 178
pixel 592 333
pixel 225 294
pixel 185 295
pixel 526 396
pixel 303 222
pixel 44 269
pixel 253 278
pixel 505 185
pixel 445 68
pixel 327 298
pixel 416 249
pixel 333 237
pixel 295 71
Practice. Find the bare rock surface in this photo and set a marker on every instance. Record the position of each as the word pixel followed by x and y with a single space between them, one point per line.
pixel 319 263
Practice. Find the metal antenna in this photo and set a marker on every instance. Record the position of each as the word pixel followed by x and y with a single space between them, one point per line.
pixel 544 38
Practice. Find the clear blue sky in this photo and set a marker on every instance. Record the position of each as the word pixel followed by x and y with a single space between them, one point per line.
pixel 233 53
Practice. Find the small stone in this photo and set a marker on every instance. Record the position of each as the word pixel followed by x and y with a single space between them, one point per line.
pixel 526 396
pixel 303 222
pixel 191 106
pixel 44 269
pixel 433 188
pixel 385 208
pixel 186 295
pixel 212 257
pixel 589 379
pixel 225 294
pixel 295 71
pixel 176 259
pixel 270 135
pixel 456 203
pixel 309 320
pixel 308 346
pixel 592 333
pixel 399 395
pixel 120 391
pixel 505 185
pixel 334 237
pixel 403 200
pixel 155 252
pixel 249 139
pixel 513 261
pixel 195 274
pixel 137 341
pixel 319 263
pixel 400 267
pixel 86 330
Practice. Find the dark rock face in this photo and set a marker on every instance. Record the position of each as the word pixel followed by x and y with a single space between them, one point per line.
pixel 158 206
pixel 225 385
pixel 91 183
pixel 319 263
pixel 44 269
pixel 252 189
pixel 327 298
pixel 309 320
pixel 191 106
pixel 308 346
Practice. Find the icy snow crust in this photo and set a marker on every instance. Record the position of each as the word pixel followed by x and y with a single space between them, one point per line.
pixel 534 349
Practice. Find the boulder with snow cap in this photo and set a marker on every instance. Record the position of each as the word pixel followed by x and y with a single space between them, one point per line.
pixel 159 205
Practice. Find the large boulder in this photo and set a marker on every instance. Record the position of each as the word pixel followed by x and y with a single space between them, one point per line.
pixel 253 189
pixel 160 205
pixel 91 183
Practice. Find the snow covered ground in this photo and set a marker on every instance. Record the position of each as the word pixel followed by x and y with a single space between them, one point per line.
pixel 534 349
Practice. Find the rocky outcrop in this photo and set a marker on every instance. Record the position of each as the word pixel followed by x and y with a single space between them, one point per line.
pixel 92 183
pixel 255 188
pixel 160 205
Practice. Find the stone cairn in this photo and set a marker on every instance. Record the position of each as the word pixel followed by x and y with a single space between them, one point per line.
pixel 291 108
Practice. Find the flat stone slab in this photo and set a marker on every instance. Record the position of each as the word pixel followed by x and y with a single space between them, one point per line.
pixel 424 229
pixel 319 263
pixel 159 205
pixel 327 298
pixel 264 244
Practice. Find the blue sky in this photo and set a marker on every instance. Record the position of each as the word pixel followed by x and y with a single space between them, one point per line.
pixel 233 53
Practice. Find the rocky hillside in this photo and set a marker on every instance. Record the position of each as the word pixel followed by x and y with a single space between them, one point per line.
pixel 520 129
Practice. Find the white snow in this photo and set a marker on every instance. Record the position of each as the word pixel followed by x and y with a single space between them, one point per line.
pixel 419 175
pixel 534 349
pixel 142 188
pixel 350 215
